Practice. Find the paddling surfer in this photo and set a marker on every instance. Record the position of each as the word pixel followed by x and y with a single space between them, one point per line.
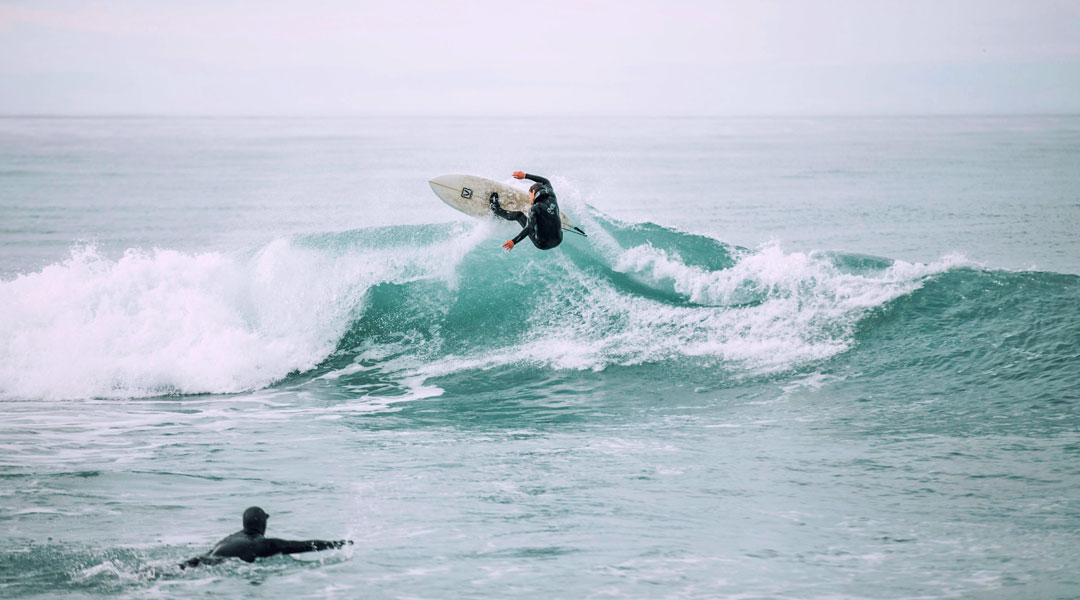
pixel 250 543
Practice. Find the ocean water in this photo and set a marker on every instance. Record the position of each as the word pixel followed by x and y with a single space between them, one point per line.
pixel 795 358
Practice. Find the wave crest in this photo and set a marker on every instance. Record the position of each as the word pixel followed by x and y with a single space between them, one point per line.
pixel 443 298
pixel 159 322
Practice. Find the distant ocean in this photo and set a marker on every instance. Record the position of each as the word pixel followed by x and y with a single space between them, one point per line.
pixel 795 358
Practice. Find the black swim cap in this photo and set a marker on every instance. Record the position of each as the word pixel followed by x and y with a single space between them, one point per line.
pixel 539 188
pixel 255 519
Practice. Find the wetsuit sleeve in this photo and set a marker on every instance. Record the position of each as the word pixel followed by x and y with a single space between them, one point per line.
pixel 197 561
pixel 277 546
pixel 537 179
pixel 530 226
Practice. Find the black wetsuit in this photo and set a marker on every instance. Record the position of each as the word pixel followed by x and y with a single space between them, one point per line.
pixel 250 543
pixel 543 225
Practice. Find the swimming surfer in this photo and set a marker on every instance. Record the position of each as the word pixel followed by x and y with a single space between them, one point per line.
pixel 250 543
pixel 543 225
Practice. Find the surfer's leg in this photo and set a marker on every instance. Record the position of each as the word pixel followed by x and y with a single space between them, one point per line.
pixel 546 240
pixel 544 243
pixel 496 208
pixel 509 215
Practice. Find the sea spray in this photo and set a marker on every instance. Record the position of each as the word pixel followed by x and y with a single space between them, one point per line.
pixel 162 321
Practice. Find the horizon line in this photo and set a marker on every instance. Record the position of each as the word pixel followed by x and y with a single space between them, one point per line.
pixel 853 115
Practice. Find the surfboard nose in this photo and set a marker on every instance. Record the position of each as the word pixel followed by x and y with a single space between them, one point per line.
pixel 448 187
pixel 447 180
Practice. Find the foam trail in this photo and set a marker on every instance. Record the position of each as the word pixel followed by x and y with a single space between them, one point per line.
pixel 804 309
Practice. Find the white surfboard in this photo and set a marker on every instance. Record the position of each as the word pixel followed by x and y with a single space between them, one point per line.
pixel 469 194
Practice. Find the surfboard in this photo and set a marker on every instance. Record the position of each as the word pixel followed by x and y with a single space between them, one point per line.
pixel 469 194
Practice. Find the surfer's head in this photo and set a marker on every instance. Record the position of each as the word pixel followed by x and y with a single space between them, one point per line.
pixel 536 190
pixel 255 519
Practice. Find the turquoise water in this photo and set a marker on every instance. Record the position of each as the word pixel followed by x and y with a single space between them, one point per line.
pixel 795 358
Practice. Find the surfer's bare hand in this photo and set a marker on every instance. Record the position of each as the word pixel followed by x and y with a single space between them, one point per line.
pixel 519 174
pixel 509 245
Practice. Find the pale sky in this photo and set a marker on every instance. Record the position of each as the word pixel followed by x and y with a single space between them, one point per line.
pixel 635 57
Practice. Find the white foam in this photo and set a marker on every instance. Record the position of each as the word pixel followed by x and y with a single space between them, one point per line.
pixel 770 272
pixel 161 321
pixel 805 310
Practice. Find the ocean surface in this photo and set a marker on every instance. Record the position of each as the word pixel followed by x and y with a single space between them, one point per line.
pixel 795 358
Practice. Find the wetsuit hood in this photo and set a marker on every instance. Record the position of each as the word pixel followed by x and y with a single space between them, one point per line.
pixel 541 191
pixel 255 520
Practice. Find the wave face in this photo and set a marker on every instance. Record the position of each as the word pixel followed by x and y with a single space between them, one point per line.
pixel 430 300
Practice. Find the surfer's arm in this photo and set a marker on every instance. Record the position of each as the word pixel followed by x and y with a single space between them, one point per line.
pixel 196 561
pixel 279 546
pixel 536 178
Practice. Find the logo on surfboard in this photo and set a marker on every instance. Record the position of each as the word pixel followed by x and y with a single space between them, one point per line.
pixel 466 193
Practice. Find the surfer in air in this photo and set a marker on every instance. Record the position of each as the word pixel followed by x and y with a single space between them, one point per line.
pixel 251 543
pixel 542 225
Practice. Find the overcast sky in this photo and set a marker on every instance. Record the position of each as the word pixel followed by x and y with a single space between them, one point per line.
pixel 637 57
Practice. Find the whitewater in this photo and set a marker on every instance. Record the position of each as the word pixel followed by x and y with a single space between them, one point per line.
pixel 804 358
